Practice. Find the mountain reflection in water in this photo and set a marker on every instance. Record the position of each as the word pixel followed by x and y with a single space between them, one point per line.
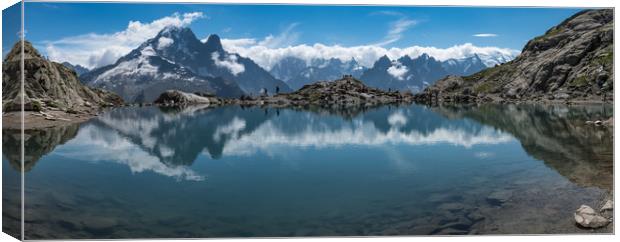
pixel 466 145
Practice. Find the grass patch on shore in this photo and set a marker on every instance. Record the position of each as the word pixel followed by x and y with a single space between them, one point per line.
pixel 484 88
pixel 605 59
pixel 579 81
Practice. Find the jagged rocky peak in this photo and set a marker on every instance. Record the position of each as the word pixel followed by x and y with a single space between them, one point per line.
pixel 383 60
pixel 47 85
pixel 175 31
pixel 175 34
pixel 29 52
pixel 214 43
pixel 406 58
pixel 175 42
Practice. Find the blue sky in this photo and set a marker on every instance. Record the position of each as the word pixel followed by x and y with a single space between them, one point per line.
pixel 388 27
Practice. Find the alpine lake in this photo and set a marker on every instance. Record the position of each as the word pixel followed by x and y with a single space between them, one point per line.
pixel 233 171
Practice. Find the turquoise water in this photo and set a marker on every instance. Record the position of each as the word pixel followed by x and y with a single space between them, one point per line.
pixel 144 172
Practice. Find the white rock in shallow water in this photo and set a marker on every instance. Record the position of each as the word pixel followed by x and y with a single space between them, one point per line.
pixel 609 205
pixel 587 217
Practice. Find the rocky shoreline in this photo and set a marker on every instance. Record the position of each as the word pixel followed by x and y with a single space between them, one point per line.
pixel 45 119
pixel 452 89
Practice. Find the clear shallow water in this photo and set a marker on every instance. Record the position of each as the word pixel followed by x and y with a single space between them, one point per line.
pixel 142 172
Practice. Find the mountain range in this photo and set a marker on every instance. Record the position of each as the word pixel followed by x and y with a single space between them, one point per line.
pixel 404 73
pixel 414 74
pixel 176 59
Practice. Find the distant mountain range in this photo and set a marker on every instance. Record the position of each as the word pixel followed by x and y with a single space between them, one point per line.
pixel 410 74
pixel 404 73
pixel 297 73
pixel 176 59
pixel 79 70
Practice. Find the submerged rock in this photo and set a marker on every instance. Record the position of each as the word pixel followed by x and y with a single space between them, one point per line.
pixel 499 197
pixel 452 207
pixel 588 218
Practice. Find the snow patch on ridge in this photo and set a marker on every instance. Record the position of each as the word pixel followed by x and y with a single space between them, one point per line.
pixel 137 66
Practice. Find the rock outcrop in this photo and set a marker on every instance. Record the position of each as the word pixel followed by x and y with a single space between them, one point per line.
pixel 588 218
pixel 179 98
pixel 572 61
pixel 79 70
pixel 48 85
pixel 347 92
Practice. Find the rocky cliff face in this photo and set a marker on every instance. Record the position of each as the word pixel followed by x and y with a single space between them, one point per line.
pixel 48 85
pixel 572 61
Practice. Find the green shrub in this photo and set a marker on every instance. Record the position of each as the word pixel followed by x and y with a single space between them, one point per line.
pixel 605 59
pixel 52 103
pixel 7 106
pixel 36 106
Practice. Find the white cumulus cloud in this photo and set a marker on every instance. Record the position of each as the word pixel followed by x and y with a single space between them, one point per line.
pixel 397 70
pixel 95 50
pixel 164 42
pixel 366 55
pixel 229 62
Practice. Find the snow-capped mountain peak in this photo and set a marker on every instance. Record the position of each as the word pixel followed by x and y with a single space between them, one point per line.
pixel 176 58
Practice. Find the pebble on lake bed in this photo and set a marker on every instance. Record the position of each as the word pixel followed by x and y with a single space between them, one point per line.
pixel 588 218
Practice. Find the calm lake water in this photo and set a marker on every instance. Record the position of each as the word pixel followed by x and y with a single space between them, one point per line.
pixel 143 172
